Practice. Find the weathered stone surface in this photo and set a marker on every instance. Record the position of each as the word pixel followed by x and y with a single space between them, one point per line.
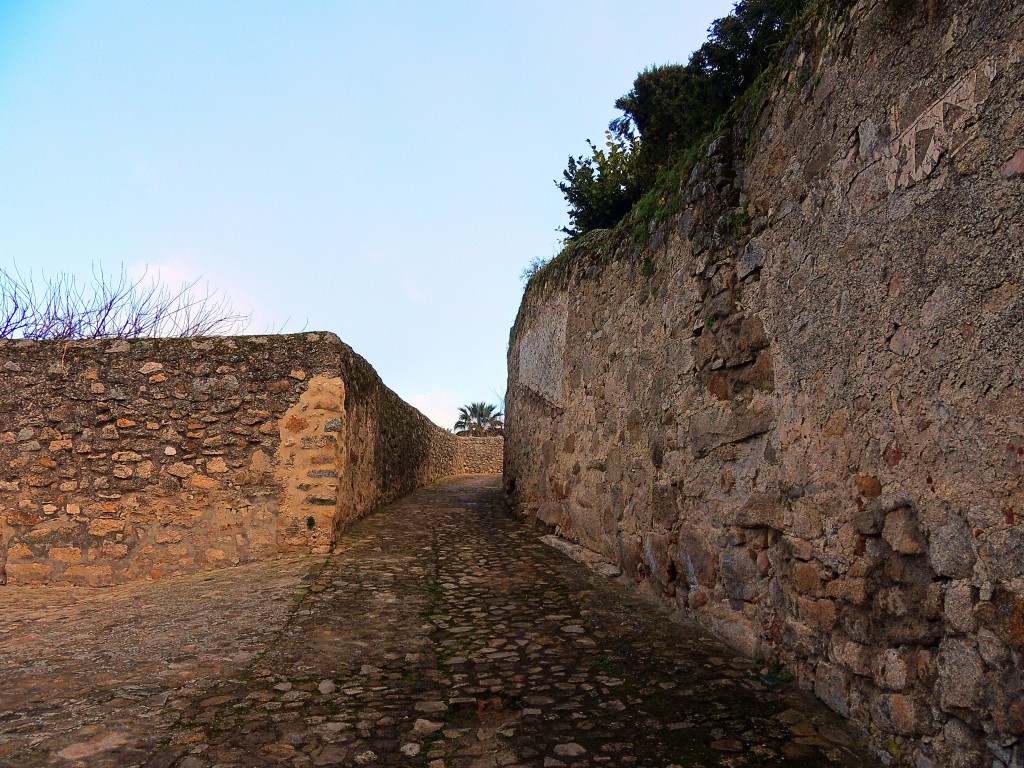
pixel 831 686
pixel 1014 166
pixel 440 631
pixel 716 427
pixel 959 609
pixel 479 456
pixel 898 713
pixel 823 404
pixel 1003 554
pixel 250 445
pixel 739 573
pixel 758 510
pixel 961 675
pixel 951 551
pixel 902 532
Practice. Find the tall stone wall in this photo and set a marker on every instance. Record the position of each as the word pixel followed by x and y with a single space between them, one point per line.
pixel 127 459
pixel 795 411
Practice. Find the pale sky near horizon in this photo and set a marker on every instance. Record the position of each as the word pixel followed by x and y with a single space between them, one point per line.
pixel 382 170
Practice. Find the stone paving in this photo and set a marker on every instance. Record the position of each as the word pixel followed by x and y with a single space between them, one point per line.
pixel 441 633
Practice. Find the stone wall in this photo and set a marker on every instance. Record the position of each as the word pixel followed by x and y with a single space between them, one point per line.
pixel 479 455
pixel 143 458
pixel 795 410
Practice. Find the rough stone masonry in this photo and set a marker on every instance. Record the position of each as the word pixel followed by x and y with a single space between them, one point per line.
pixel 126 459
pixel 795 410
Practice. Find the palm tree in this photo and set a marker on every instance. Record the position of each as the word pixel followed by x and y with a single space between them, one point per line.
pixel 479 420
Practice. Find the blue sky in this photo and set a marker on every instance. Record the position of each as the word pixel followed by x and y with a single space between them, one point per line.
pixel 383 170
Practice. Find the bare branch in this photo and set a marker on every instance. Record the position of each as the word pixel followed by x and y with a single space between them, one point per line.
pixel 111 305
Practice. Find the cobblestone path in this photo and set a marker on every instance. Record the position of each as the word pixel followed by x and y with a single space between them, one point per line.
pixel 441 633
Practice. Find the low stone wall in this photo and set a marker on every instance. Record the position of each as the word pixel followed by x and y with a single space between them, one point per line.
pixel 479 455
pixel 127 459
pixel 794 410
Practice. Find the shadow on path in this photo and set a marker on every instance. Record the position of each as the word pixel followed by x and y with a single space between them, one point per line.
pixel 440 633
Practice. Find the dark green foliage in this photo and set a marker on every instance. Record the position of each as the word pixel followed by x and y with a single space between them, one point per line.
pixel 601 189
pixel 671 109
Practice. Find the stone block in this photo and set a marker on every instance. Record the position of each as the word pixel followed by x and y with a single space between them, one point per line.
pixel 764 563
pixel 908 569
pixel 551 515
pixel 1003 615
pixel 90 575
pixel 902 532
pixel 696 559
pixel 1002 552
pixel 203 482
pixel 718 385
pixel 961 680
pixel 104 526
pixel 23 516
pixel 868 486
pixel 951 550
pixel 820 614
pixel 740 575
pixel 751 259
pixel 901 714
pixel 1009 715
pixel 658 558
pixel 958 609
pixel 856 590
pixel 806 578
pixel 113 551
pixel 664 510
pixel 831 685
pixel 752 336
pixel 180 469
pixel 798 547
pixel 799 638
pixel 856 657
pixel 960 746
pixel 216 466
pixel 631 556
pixel 28 573
pixel 53 532
pixel 890 670
pixel 735 629
pixel 66 554
pixel 718 426
pixel 767 510
pixel 1014 166
pixel 804 519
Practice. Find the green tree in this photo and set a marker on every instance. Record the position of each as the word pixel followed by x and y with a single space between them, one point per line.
pixel 479 420
pixel 601 189
pixel 670 109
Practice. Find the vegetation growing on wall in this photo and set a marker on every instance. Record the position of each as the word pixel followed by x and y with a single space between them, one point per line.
pixel 670 110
